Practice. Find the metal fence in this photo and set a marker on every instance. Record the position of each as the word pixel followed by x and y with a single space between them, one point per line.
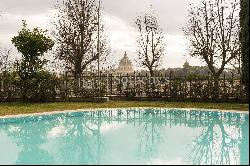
pixel 138 87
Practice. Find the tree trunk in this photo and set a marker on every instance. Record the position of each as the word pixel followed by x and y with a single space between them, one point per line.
pixel 151 71
pixel 77 76
pixel 78 70
pixel 216 88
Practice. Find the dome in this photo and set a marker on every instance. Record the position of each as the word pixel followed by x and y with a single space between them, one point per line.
pixel 186 64
pixel 125 65
pixel 125 61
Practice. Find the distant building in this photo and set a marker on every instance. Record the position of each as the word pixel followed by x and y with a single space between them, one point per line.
pixel 198 70
pixel 186 65
pixel 125 66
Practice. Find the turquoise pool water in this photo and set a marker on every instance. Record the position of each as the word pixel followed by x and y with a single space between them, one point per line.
pixel 126 136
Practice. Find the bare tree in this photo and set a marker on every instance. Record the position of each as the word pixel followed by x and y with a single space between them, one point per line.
pixel 4 59
pixel 236 63
pixel 76 27
pixel 216 144
pixel 150 41
pixel 213 32
pixel 150 135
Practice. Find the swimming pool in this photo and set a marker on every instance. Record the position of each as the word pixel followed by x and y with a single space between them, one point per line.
pixel 126 136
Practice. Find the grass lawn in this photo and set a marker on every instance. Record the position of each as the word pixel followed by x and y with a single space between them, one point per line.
pixel 26 108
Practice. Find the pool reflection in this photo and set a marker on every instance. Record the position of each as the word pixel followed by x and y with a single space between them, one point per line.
pixel 128 136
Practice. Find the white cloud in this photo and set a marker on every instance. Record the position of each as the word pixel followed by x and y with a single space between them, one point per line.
pixel 120 33
pixel 58 131
pixel 111 127
pixel 122 38
pixel 119 15
pixel 11 23
pixel 9 149
pixel 26 7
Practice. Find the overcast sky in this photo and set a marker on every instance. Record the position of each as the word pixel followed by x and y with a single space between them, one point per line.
pixel 119 16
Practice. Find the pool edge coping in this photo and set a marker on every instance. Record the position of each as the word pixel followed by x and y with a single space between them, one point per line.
pixel 100 109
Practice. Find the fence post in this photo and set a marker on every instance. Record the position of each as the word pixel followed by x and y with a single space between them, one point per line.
pixel 121 86
pixel 134 82
pixel 79 82
pixel 149 79
pixel 161 80
pixel 107 84
pixel 1 91
pixel 94 84
pixel 111 84
pixel 232 86
pixel 130 80
pixel 224 84
pixel 66 84
pixel 101 82
pixel 147 84
pixel 55 87
pixel 170 84
pixel 241 90
pixel 139 85
pixel 165 85
pixel 128 85
pixel 185 88
pixel 2 87
pixel 208 85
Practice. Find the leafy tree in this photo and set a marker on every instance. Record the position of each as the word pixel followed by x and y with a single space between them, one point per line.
pixel 32 44
pixel 244 38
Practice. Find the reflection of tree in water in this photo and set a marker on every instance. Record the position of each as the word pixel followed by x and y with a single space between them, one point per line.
pixel 244 146
pixel 152 123
pixel 82 143
pixel 149 133
pixel 29 137
pixel 217 144
pixel 223 140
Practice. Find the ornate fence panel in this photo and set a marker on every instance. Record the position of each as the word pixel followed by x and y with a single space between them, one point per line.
pixel 136 87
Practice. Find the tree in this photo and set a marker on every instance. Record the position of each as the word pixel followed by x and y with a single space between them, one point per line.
pixel 32 45
pixel 6 76
pixel 217 144
pixel 244 39
pixel 150 41
pixel 213 32
pixel 76 28
pixel 5 59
